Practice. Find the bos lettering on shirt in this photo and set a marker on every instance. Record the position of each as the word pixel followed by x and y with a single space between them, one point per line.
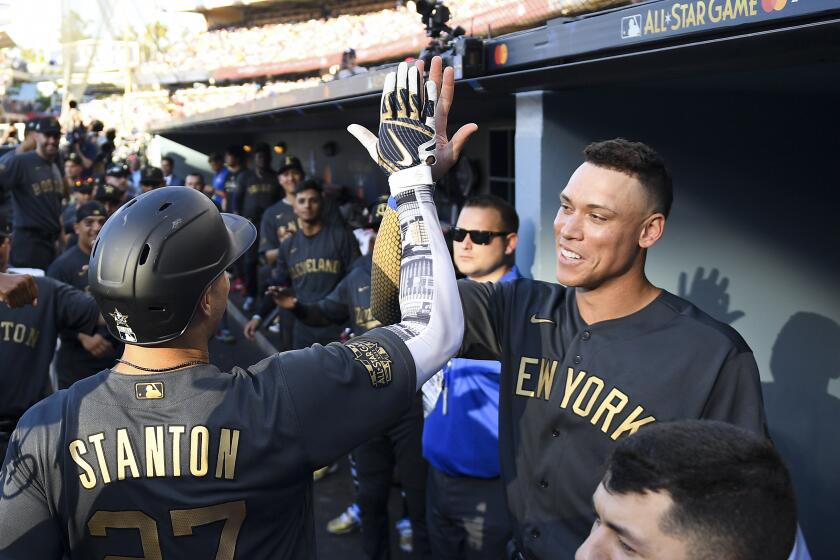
pixel 585 394
pixel 47 186
pixel 163 451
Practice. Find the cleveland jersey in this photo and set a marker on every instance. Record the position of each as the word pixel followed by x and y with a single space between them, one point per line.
pixel 570 391
pixel 196 463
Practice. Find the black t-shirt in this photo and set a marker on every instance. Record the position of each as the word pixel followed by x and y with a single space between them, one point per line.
pixel 27 341
pixel 71 267
pixel 37 189
pixel 187 463
pixel 278 220
pixel 256 190
pixel 570 390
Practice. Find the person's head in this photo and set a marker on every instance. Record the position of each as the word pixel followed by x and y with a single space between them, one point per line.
pixel 82 189
pixel 485 238
pixel 90 217
pixel 167 165
pixel 5 239
pixel 151 178
pixel 234 156
pixel 117 176
pixel 194 181
pixel 73 167
pixel 308 202
pixel 110 197
pixel 134 162
pixel 612 210
pixel 47 135
pixel 348 58
pixel 290 174
pixel 693 490
pixel 216 162
pixel 152 287
pixel 73 104
pixel 262 156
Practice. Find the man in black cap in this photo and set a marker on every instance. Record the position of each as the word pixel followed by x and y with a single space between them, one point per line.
pixel 116 175
pixel 151 178
pixel 82 354
pixel 110 196
pixel 81 191
pixel 37 189
pixel 256 190
pixel 72 170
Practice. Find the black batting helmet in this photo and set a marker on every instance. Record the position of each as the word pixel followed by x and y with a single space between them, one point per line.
pixel 156 256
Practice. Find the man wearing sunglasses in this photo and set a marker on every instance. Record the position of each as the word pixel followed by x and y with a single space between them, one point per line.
pixel 466 511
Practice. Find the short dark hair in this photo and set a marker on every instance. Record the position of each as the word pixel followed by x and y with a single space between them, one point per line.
pixel 194 174
pixel 733 496
pixel 169 159
pixel 510 219
pixel 637 160
pixel 235 151
pixel 72 104
pixel 215 157
pixel 307 185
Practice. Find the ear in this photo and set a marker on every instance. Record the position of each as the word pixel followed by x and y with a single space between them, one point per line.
pixel 511 241
pixel 652 229
pixel 205 305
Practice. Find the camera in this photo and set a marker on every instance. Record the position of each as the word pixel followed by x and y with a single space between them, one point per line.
pixel 465 54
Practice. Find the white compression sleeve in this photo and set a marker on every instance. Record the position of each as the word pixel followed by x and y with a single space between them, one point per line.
pixel 432 324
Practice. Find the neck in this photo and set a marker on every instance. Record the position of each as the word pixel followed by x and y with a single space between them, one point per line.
pixel 159 358
pixel 84 248
pixel 310 228
pixel 493 276
pixel 612 300
pixel 290 197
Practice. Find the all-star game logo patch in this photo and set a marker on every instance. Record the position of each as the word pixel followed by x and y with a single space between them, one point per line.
pixel 376 360
pixel 148 391
pixel 122 326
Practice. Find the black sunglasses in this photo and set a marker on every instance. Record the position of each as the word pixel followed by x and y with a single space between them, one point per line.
pixel 478 237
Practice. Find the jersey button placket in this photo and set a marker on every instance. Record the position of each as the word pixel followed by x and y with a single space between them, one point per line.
pixel 578 359
pixel 585 335
pixel 535 534
pixel 543 484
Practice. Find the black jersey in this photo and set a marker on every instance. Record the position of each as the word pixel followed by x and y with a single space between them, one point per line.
pixel 37 189
pixel 256 190
pixel 73 362
pixel 570 391
pixel 196 463
pixel 350 300
pixel 27 341
pixel 278 220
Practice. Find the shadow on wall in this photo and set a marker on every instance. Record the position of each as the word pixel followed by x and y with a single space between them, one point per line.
pixel 709 294
pixel 806 356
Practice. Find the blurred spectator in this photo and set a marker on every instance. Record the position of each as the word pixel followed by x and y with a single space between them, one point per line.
pixel 117 177
pixel 234 163
pixel 136 168
pixel 79 144
pixel 72 119
pixel 72 170
pixel 151 178
pixel 10 136
pixel 196 181
pixel 348 65
pixel 220 173
pixel 81 191
pixel 167 166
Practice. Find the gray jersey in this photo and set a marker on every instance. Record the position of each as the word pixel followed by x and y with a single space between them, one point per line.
pixel 570 391
pixel 37 189
pixel 277 222
pixel 196 463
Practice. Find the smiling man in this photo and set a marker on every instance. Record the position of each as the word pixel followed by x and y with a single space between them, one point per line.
pixel 589 362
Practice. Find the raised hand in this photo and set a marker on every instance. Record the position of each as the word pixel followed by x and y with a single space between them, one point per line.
pixel 405 145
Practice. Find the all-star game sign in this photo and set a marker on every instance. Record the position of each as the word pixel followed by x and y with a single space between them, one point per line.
pixel 123 327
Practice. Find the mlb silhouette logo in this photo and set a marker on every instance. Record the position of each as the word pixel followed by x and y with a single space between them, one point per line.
pixel 631 26
pixel 148 391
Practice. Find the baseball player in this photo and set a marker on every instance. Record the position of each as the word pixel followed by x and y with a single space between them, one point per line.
pixel 400 444
pixel 591 360
pixel 82 354
pixel 166 456
pixel 37 190
pixel 28 336
pixel 279 220
pixel 312 261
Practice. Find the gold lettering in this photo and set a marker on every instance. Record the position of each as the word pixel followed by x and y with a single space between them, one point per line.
pixel 675 15
pixel 199 450
pixel 607 406
pixel 88 477
pixel 6 325
pixel 701 13
pixel 571 385
pixel 176 432
pixel 649 27
pixel 714 12
pixel 125 456
pixel 96 441
pixel 727 10
pixel 228 447
pixel 599 386
pixel 752 7
pixel 33 338
pixel 546 381
pixel 523 376
pixel 155 463
pixel 19 334
pixel 36 189
pixel 689 20
pixel 741 8
pixel 630 423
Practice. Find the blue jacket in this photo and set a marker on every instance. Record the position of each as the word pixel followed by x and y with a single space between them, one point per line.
pixel 461 434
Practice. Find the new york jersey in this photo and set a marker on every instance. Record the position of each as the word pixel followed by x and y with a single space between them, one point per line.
pixel 570 391
pixel 196 463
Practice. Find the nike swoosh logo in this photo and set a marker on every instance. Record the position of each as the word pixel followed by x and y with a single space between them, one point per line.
pixel 363 288
pixel 407 159
pixel 293 250
pixel 536 320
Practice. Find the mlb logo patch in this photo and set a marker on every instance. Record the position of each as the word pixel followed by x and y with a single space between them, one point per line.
pixel 631 26
pixel 148 391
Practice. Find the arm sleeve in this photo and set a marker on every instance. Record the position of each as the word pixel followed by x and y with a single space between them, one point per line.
pixel 481 340
pixel 432 324
pixel 362 387
pixel 75 310
pixel 736 395
pixel 27 530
